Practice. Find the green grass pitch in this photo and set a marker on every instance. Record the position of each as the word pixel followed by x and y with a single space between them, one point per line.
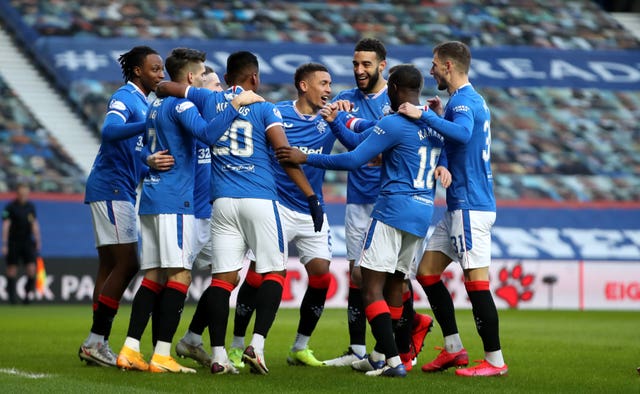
pixel 547 352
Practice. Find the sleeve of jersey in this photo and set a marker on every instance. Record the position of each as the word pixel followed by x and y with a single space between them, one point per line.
pixel 443 160
pixel 198 96
pixel 460 129
pixel 114 129
pixel 366 151
pixel 347 137
pixel 210 132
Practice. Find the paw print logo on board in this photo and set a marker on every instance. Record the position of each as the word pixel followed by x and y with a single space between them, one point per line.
pixel 515 286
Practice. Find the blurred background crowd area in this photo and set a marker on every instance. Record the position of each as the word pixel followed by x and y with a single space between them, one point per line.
pixel 28 152
pixel 558 144
pixel 578 24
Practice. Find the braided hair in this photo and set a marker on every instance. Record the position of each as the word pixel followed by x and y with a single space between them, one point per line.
pixel 132 59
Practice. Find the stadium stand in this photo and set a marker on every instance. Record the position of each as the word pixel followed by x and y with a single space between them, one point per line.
pixel 30 154
pixel 563 144
pixel 542 23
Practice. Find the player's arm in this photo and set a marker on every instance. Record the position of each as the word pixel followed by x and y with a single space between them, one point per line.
pixel 348 138
pixel 207 132
pixel 459 129
pixel 114 128
pixel 366 151
pixel 278 139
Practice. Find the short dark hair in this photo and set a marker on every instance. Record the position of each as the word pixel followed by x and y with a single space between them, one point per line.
pixel 456 51
pixel 239 64
pixel 180 58
pixel 304 71
pixel 132 59
pixel 406 76
pixel 208 70
pixel 372 45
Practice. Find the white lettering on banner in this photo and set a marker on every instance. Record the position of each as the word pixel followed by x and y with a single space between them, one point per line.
pixel 604 70
pixel 601 244
pixel 520 68
pixel 338 65
pixel 88 59
pixel 483 67
pixel 559 69
pixel 3 288
pixel 522 243
pixel 289 62
pixel 80 288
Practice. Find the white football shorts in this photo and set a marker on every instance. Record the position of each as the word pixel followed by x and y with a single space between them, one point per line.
pixel 167 241
pixel 387 249
pixel 114 222
pixel 464 236
pixel 202 248
pixel 299 229
pixel 356 222
pixel 239 224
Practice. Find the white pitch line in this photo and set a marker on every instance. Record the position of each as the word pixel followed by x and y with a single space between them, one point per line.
pixel 23 374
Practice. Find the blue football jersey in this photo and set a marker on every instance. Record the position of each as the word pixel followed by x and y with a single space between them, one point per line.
pixel 241 159
pixel 117 168
pixel 173 124
pixel 466 127
pixel 310 134
pixel 410 155
pixel 363 184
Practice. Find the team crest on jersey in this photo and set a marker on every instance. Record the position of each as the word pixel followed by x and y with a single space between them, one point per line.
pixel 386 110
pixel 277 113
pixel 117 105
pixel 184 106
pixel 321 126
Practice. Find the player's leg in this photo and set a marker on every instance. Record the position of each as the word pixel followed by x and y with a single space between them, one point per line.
pixel 146 297
pixel 475 261
pixel 228 252
pixel 191 344
pixel 383 270
pixel 245 305
pixel 176 235
pixel 438 254
pixel 264 230
pixel 114 224
pixel 356 222
pixel 314 250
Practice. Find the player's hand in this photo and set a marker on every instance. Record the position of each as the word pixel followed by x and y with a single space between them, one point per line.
pixel 288 154
pixel 245 98
pixel 161 160
pixel 444 175
pixel 376 161
pixel 329 112
pixel 317 214
pixel 410 110
pixel 344 105
pixel 435 104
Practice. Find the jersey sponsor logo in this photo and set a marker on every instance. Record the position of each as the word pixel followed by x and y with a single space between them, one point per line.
pixel 461 108
pixel 308 151
pixel 117 105
pixel 239 167
pixel 152 179
pixel 423 200
pixel 287 125
pixel 184 106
